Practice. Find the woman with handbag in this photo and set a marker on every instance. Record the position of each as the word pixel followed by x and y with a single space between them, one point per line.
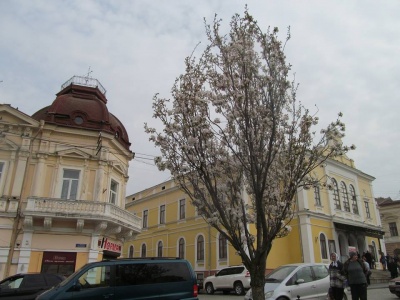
pixel 337 279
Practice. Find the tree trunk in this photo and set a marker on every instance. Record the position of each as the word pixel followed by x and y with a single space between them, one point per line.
pixel 258 280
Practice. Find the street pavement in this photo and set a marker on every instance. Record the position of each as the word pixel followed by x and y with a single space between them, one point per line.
pixel 376 291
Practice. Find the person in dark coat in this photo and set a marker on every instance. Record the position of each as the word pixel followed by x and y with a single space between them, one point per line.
pixel 392 267
pixel 368 257
pixel 383 261
pixel 354 270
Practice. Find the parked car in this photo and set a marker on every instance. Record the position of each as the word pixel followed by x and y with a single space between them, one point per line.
pixel 129 279
pixel 28 285
pixel 394 286
pixel 235 278
pixel 294 281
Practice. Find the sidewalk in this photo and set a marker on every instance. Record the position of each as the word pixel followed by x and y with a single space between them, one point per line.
pixel 381 285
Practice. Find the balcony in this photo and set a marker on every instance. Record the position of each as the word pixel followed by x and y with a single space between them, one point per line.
pixel 91 216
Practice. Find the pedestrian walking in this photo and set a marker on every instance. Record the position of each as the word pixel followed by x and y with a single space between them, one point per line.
pixel 354 270
pixel 336 278
pixel 369 273
pixel 382 260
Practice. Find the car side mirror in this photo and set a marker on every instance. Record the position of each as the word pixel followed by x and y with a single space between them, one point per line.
pixel 77 286
pixel 298 281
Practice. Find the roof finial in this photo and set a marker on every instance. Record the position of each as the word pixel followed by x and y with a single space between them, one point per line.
pixel 87 77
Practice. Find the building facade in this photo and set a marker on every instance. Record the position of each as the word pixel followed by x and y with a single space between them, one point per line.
pixel 390 215
pixel 330 218
pixel 63 175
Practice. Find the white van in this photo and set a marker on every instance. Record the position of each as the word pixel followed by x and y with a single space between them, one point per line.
pixel 294 281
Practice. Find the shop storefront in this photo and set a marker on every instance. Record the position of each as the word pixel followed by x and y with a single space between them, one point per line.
pixel 59 263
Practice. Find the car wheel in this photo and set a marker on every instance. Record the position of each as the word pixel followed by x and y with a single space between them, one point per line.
pixel 398 295
pixel 209 288
pixel 238 287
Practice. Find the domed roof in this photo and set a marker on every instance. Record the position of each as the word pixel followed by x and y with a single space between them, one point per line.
pixel 82 104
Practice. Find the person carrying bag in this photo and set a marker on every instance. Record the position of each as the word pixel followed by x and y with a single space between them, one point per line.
pixel 337 278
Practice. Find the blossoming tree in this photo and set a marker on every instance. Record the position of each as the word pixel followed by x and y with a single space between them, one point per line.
pixel 238 142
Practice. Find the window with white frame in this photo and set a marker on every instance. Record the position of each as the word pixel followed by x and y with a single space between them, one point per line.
pixel 182 209
pixel 145 218
pixel 1 169
pixel 162 214
pixel 336 199
pixel 70 184
pixel 159 249
pixel 317 195
pixel 393 229
pixel 181 248
pixel 367 212
pixel 353 199
pixel 345 197
pixel 143 250
pixel 322 243
pixel 200 248
pixel 113 192
pixel 222 247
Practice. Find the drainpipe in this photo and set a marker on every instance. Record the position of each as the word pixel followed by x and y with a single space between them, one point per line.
pixel 18 217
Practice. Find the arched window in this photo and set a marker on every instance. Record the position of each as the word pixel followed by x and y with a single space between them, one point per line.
pixel 159 249
pixel 336 199
pixel 181 249
pixel 131 250
pixel 353 199
pixel 200 247
pixel 222 247
pixel 345 196
pixel 143 253
pixel 322 243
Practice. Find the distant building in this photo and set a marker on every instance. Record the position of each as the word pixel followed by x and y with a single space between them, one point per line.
pixel 63 175
pixel 327 220
pixel 390 215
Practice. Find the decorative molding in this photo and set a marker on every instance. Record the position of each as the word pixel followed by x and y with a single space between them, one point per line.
pixel 28 223
pixel 47 222
pixel 79 225
pixel 100 227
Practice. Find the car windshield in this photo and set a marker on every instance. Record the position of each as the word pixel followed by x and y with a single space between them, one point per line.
pixel 279 274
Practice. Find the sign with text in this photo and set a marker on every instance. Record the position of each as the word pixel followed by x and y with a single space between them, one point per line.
pixel 105 244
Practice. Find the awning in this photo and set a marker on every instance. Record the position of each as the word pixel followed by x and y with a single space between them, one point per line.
pixel 366 230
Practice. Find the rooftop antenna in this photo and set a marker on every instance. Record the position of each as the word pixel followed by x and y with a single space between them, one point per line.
pixel 87 75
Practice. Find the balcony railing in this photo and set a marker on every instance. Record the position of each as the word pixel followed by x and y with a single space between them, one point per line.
pixel 84 81
pixel 80 209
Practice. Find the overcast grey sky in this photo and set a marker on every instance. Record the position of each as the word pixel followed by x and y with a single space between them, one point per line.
pixel 346 56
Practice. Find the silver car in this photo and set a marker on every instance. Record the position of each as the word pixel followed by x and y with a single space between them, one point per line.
pixel 294 281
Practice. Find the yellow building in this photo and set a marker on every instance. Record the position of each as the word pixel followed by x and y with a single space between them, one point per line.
pixel 63 175
pixel 326 220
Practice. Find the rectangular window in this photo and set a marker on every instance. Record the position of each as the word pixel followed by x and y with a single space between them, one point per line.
pixel 145 217
pixel 113 192
pixel 182 209
pixel 70 184
pixel 162 214
pixel 1 169
pixel 223 247
pixel 317 195
pixel 368 213
pixel 393 229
